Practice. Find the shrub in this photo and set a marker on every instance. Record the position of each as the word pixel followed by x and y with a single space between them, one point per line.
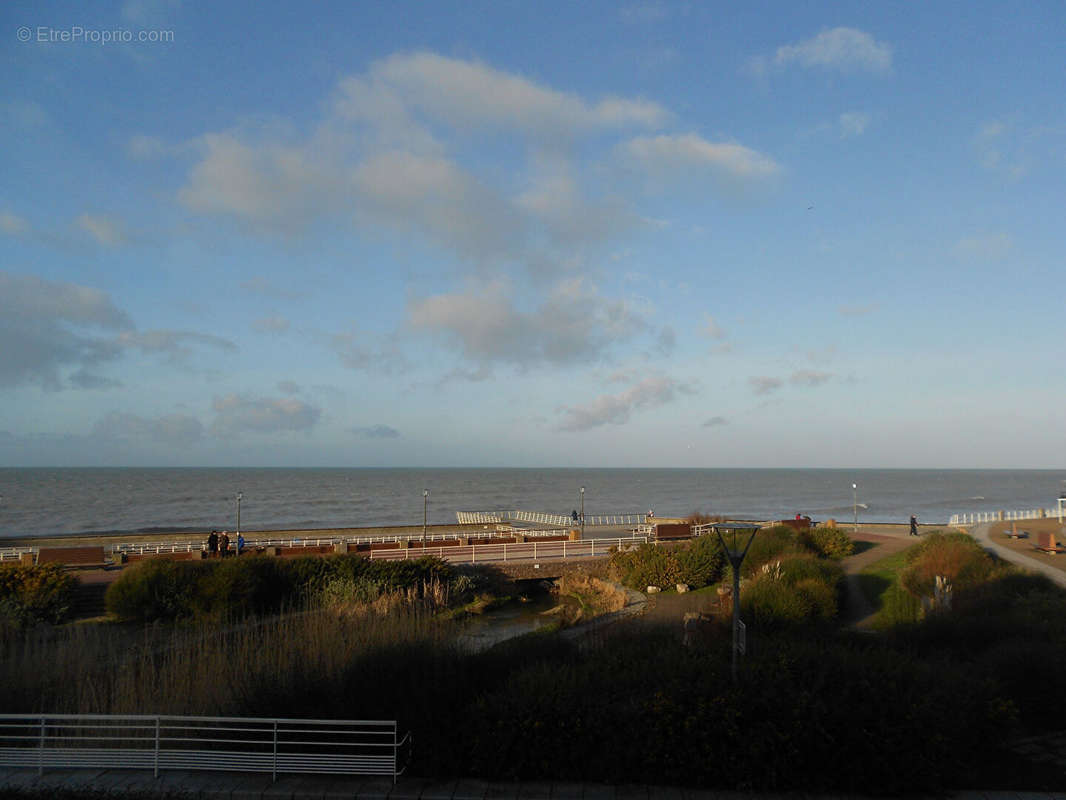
pixel 33 594
pixel 830 542
pixel 955 556
pixel 700 561
pixel 771 544
pixel 156 589
pixel 795 589
pixel 647 565
pixel 161 589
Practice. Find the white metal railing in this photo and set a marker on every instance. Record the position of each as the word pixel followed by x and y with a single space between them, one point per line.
pixel 244 744
pixel 540 518
pixel 15 553
pixel 477 517
pixel 957 520
pixel 518 551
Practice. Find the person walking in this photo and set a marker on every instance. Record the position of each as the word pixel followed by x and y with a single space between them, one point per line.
pixel 914 525
pixel 223 544
pixel 240 542
pixel 212 544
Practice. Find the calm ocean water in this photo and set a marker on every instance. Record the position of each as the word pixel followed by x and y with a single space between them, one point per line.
pixel 74 501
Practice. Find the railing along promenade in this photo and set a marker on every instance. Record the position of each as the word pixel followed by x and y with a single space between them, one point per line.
pixel 562 525
pixel 244 744
pixel 516 551
pixel 958 520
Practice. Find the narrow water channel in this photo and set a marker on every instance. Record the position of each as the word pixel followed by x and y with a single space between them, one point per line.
pixel 482 631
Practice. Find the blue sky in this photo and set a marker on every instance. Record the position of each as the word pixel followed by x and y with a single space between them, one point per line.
pixel 646 234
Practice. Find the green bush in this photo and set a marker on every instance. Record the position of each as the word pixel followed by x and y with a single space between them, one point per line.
pixel 797 588
pixel 157 589
pixel 33 594
pixel 162 589
pixel 955 556
pixel 647 565
pixel 700 561
pixel 771 544
pixel 830 542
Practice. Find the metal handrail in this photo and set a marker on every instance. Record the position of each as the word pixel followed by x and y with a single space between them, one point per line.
pixel 519 551
pixel 138 741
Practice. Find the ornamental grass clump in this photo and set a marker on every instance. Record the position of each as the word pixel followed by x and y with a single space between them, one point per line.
pixel 956 557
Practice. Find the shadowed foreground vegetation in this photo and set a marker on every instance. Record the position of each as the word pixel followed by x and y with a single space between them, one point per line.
pixel 924 705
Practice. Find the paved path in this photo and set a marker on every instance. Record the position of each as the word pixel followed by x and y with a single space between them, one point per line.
pixel 230 785
pixel 982 533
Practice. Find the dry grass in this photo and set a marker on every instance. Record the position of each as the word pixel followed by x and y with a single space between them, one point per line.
pixel 595 596
pixel 203 668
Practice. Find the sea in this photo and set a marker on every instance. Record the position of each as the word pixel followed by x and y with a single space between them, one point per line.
pixel 78 501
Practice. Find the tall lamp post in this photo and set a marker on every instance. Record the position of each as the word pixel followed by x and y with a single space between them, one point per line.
pixel 855 505
pixel 582 513
pixel 240 496
pixel 425 506
pixel 736 551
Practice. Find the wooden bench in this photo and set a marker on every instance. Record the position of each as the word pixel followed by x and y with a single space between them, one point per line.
pixel 801 524
pixel 665 531
pixel 1013 532
pixel 1045 542
pixel 72 556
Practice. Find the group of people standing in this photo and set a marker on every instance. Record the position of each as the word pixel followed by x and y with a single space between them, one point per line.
pixel 218 545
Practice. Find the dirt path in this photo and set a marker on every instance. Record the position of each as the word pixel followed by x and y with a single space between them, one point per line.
pixel 860 613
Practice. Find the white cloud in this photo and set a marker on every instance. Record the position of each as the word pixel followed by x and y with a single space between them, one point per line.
pixel 12 224
pixel 712 328
pixel 173 344
pixel 376 432
pixel 1003 146
pixel 715 422
pixel 687 151
pixel 272 324
pixel 288 387
pixel 470 94
pixel 844 49
pixel 46 326
pixel 853 123
pixel 764 385
pixel 105 230
pixel 573 324
pixel 237 414
pixel 172 429
pixel 616 409
pixel 269 184
pixel 809 377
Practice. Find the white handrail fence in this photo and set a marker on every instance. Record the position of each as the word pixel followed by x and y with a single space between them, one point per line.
pixel 958 520
pixel 518 551
pixel 243 744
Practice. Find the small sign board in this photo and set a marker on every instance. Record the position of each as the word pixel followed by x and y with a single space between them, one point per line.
pixel 742 637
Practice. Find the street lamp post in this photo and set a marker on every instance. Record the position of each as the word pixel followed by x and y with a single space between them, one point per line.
pixel 736 552
pixel 582 513
pixel 240 496
pixel 855 505
pixel 425 506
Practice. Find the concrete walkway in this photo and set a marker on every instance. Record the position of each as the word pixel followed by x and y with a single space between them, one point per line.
pixel 982 534
pixel 231 786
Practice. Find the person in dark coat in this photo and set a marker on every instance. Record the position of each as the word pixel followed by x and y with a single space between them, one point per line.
pixel 914 525
pixel 212 544
pixel 223 544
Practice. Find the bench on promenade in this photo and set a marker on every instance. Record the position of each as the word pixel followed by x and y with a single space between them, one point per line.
pixel 1013 532
pixel 1045 542
pixel 92 556
pixel 665 531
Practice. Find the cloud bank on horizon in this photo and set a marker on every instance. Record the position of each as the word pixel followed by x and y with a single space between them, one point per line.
pixel 661 235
